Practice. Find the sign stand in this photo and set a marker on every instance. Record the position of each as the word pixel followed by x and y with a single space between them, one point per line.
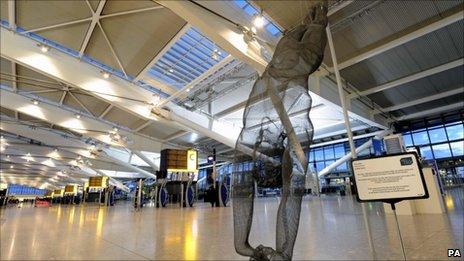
pixel 392 204
pixel 390 179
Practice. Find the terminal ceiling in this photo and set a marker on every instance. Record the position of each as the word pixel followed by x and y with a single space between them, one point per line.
pixel 157 50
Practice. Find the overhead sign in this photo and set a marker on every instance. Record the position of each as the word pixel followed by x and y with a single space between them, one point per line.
pixel 192 160
pixel 58 193
pixel 98 181
pixel 70 189
pixel 390 178
pixel 179 160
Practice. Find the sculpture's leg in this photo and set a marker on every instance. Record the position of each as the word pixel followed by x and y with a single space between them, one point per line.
pixel 288 215
pixel 243 196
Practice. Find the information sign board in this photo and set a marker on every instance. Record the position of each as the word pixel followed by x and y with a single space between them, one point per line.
pixel 390 178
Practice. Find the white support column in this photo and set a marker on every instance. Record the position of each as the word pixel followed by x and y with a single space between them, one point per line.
pixel 349 156
pixel 409 78
pixel 13 73
pixel 457 16
pixel 12 14
pixel 437 96
pixel 341 93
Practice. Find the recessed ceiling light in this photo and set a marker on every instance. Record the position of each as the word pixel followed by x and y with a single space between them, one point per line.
pixel 56 150
pixel 44 48
pixel 187 90
pixel 35 102
pixel 77 115
pixel 105 74
pixel 258 21
pixel 171 70
pixel 11 166
pixel 115 129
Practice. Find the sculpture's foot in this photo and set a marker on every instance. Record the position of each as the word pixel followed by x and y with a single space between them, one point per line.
pixel 262 253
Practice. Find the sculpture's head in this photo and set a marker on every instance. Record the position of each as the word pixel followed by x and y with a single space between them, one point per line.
pixel 317 14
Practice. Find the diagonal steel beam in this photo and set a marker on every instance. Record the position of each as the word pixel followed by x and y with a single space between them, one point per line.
pixel 143 126
pixel 35 30
pixel 81 104
pixel 106 111
pixel 132 11
pixel 95 19
pixel 116 57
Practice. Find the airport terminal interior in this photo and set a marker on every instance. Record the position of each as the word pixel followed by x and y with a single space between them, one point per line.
pixel 232 130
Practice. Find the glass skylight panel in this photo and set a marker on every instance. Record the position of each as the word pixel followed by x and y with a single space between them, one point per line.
pixel 251 11
pixel 188 58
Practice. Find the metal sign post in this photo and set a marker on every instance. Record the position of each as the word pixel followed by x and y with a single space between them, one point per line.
pixel 390 179
pixel 399 230
pixel 348 130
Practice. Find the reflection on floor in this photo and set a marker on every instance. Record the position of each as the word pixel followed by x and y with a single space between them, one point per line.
pixel 331 228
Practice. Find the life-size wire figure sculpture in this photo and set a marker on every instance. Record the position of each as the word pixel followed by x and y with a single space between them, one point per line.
pixel 278 156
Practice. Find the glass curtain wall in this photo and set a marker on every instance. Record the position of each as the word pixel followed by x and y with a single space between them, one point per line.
pixel 443 143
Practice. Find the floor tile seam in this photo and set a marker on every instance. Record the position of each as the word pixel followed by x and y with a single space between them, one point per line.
pixel 115 244
pixel 425 240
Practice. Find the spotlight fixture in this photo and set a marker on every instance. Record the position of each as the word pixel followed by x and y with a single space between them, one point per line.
pixel 258 21
pixel 55 150
pixel 11 166
pixel 7 156
pixel 77 115
pixel 187 90
pixel 215 54
pixel 115 129
pixel 170 70
pixel 35 102
pixel 105 74
pixel 43 48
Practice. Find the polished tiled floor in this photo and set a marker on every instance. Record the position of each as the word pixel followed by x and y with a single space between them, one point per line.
pixel 331 228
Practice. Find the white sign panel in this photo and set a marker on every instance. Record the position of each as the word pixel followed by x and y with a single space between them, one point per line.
pixel 392 177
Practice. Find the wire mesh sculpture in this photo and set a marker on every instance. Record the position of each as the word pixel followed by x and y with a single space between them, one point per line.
pixel 275 141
